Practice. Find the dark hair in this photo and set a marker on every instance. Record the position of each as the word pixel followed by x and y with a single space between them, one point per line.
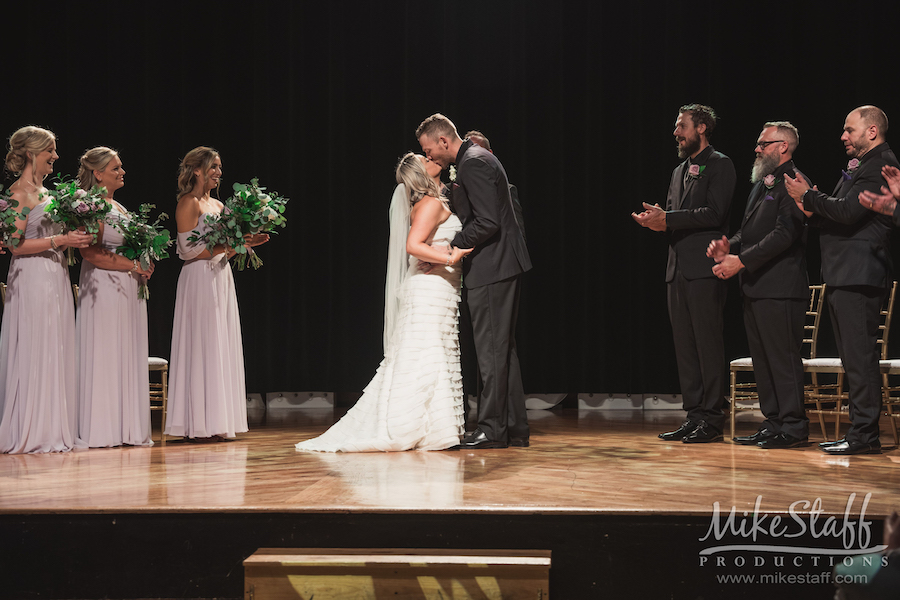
pixel 485 143
pixel 700 113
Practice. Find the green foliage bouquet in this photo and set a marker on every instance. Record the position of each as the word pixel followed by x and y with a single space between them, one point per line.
pixel 8 216
pixel 248 212
pixel 76 208
pixel 143 241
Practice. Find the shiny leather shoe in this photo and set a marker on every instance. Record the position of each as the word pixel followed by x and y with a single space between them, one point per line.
pixel 687 427
pixel 703 434
pixel 845 448
pixel 477 440
pixel 783 440
pixel 519 442
pixel 827 444
pixel 760 436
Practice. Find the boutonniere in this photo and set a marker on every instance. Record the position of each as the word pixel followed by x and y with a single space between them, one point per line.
pixel 769 181
pixel 852 165
pixel 695 171
pixel 452 173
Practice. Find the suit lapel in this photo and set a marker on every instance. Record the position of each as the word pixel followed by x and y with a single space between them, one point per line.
pixel 759 191
pixel 688 185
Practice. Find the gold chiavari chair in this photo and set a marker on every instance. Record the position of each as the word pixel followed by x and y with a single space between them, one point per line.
pixel 745 392
pixel 826 400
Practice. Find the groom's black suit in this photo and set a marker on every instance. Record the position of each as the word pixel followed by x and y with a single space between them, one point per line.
pixel 481 198
pixel 697 213
pixel 771 244
pixel 856 266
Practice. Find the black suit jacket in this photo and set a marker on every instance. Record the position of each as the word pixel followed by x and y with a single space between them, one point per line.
pixel 772 242
pixel 698 214
pixel 483 203
pixel 855 241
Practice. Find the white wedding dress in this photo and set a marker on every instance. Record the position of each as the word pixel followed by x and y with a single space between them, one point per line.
pixel 415 400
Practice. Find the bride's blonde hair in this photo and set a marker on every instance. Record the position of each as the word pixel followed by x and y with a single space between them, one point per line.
pixel 412 174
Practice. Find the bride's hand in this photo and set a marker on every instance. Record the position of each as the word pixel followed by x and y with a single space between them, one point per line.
pixel 458 254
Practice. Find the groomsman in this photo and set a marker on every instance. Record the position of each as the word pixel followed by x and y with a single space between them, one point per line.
pixel 696 213
pixel 768 255
pixel 856 266
pixel 480 139
pixel 491 279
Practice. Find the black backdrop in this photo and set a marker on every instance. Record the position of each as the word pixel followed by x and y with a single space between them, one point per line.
pixel 319 99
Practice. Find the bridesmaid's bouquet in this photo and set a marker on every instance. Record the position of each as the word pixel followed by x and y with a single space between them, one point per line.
pixel 8 216
pixel 143 241
pixel 249 211
pixel 76 208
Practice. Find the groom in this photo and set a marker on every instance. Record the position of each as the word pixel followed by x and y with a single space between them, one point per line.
pixel 491 279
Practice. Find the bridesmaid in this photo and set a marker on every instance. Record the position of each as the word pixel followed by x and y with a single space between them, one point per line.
pixel 111 326
pixel 37 340
pixel 207 397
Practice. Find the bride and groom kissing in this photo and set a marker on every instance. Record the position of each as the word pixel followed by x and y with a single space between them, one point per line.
pixel 415 400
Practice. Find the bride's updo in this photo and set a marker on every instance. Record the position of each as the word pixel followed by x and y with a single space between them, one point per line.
pixel 412 174
pixel 27 139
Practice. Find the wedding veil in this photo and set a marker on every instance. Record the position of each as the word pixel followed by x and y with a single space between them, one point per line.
pixel 398 261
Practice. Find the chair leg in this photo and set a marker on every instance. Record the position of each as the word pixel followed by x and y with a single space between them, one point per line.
pixel 839 407
pixel 165 404
pixel 733 402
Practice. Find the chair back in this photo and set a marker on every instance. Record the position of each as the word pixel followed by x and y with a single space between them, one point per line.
pixel 884 328
pixel 813 317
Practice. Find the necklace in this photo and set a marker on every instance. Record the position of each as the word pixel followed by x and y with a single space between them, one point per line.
pixel 29 183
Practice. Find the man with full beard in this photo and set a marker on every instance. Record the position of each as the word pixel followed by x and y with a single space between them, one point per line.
pixel 856 266
pixel 696 213
pixel 768 255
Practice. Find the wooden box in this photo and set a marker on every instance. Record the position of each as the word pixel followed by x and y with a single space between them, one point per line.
pixel 369 574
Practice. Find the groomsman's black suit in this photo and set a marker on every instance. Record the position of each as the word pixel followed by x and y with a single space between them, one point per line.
pixel 856 266
pixel 697 213
pixel 481 198
pixel 771 244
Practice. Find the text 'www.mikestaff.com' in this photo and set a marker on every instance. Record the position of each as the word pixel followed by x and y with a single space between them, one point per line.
pixel 779 578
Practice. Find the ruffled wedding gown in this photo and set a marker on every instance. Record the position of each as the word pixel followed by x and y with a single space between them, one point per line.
pixel 415 400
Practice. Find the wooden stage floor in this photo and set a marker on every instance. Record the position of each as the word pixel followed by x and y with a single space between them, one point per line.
pixel 579 462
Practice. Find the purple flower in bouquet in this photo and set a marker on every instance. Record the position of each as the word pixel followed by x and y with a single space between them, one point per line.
pixel 76 208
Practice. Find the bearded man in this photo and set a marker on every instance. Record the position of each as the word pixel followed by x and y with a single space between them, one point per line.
pixel 696 213
pixel 856 266
pixel 768 253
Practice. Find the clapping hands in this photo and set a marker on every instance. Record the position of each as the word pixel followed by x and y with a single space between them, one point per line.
pixel 653 217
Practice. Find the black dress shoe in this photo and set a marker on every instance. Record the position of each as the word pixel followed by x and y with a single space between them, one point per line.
pixel 702 434
pixel 827 444
pixel 687 427
pixel 751 440
pixel 783 440
pixel 519 442
pixel 477 440
pixel 844 448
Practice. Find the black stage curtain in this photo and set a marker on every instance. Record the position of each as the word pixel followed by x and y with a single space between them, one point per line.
pixel 319 99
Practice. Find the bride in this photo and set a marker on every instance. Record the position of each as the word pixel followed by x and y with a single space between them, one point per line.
pixel 415 400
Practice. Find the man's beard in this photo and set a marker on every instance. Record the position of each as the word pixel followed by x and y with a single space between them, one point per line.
pixel 858 149
pixel 762 166
pixel 691 146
